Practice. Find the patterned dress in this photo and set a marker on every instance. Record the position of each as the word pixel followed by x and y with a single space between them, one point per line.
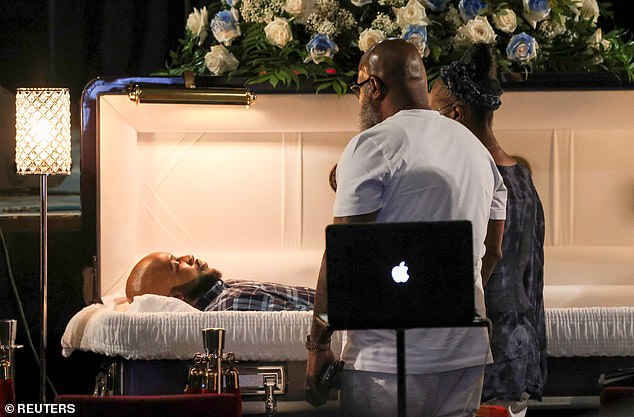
pixel 514 296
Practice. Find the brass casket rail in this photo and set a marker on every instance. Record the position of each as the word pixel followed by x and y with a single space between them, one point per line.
pixel 161 95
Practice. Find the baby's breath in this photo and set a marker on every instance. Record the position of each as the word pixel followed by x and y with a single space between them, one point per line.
pixel 393 3
pixel 452 16
pixel 384 23
pixel 260 11
pixel 325 44
pixel 329 18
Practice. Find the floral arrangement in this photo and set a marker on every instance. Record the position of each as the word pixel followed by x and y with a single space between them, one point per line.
pixel 279 41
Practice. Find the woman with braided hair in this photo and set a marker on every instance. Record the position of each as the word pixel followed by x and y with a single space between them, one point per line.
pixel 468 91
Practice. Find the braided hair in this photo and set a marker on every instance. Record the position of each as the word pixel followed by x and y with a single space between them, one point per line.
pixel 473 79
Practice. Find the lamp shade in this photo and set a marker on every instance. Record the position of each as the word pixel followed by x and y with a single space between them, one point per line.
pixel 42 131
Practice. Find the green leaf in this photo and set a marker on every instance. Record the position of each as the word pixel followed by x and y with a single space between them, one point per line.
pixel 283 67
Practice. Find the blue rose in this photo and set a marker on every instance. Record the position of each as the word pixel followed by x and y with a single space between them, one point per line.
pixel 416 35
pixel 536 11
pixel 231 3
pixel 471 8
pixel 225 26
pixel 320 47
pixel 522 48
pixel 436 5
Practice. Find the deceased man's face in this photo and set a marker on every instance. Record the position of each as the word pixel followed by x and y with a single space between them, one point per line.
pixel 159 272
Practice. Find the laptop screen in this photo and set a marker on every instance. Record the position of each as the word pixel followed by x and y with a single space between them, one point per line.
pixel 400 275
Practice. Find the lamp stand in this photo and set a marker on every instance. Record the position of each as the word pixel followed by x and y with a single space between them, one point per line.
pixel 43 147
pixel 43 284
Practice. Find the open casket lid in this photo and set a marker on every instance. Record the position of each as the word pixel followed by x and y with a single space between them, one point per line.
pixel 247 189
pixel 244 188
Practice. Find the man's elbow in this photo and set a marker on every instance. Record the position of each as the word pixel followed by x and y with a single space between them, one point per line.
pixel 495 254
pixel 492 257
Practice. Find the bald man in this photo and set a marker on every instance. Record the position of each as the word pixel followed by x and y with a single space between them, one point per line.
pixel 194 282
pixel 410 164
pixel 162 273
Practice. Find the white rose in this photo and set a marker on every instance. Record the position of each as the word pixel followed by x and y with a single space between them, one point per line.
pixel 294 7
pixel 369 37
pixel 300 9
pixel 278 32
pixel 197 23
pixel 590 9
pixel 477 30
pixel 219 60
pixel 596 38
pixel 413 13
pixel 597 41
pixel 505 20
pixel 586 9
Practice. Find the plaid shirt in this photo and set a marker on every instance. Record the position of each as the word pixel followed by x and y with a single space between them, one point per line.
pixel 256 296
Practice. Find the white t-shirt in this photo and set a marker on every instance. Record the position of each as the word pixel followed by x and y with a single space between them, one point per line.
pixel 420 166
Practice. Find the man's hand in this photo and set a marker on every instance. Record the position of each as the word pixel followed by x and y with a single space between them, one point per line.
pixel 317 362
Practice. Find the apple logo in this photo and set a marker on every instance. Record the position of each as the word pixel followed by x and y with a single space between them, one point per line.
pixel 399 273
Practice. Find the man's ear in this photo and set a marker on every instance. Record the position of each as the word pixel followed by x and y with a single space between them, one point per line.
pixel 459 111
pixel 377 89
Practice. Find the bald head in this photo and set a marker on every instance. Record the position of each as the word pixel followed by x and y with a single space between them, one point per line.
pixel 162 273
pixel 399 66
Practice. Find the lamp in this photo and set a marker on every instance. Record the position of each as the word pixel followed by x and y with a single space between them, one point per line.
pixel 190 95
pixel 42 147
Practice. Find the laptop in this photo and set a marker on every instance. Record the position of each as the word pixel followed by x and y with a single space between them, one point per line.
pixel 399 275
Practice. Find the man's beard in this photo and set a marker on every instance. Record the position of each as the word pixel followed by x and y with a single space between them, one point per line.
pixel 368 117
pixel 198 287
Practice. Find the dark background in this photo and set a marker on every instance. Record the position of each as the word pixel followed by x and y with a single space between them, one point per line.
pixel 68 43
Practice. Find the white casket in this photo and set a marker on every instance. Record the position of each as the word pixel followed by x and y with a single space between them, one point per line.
pixel 247 190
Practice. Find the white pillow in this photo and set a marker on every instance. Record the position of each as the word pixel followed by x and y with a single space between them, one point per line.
pixel 151 303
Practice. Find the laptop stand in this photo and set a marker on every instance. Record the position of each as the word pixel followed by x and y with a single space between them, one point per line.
pixel 401 388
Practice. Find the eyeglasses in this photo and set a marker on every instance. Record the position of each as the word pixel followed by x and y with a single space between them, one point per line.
pixel 452 105
pixel 356 87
